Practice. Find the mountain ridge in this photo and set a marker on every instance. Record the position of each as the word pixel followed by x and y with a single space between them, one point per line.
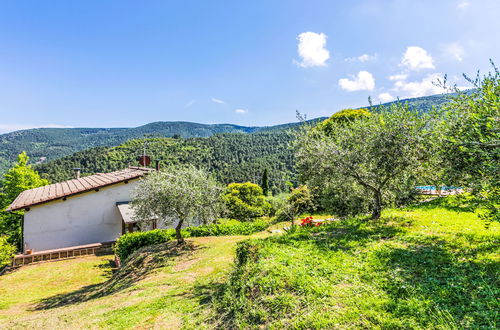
pixel 45 144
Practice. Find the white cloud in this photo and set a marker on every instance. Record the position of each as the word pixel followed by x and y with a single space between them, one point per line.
pixel 363 81
pixel 385 97
pixel 5 128
pixel 218 101
pixel 240 111
pixel 420 88
pixel 362 58
pixel 190 103
pixel 311 49
pixel 454 50
pixel 416 58
pixel 401 76
pixel 366 57
pixel 463 4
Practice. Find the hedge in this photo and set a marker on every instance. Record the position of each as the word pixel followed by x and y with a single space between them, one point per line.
pixel 128 243
pixel 226 229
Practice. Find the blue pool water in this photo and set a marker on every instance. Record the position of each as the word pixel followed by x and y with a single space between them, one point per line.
pixel 443 188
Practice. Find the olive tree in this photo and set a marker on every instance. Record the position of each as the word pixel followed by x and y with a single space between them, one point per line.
pixel 372 156
pixel 187 194
pixel 471 141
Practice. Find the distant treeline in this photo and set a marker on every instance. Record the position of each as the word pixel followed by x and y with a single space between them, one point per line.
pixel 231 157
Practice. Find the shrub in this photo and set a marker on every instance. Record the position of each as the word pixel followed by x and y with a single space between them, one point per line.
pixel 246 251
pixel 128 243
pixel 6 252
pixel 343 200
pixel 342 118
pixel 300 200
pixel 245 201
pixel 222 229
pixel 276 203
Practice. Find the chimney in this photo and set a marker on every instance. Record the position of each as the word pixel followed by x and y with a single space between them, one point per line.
pixel 77 173
pixel 157 164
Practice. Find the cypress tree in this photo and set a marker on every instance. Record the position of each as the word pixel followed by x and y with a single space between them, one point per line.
pixel 265 183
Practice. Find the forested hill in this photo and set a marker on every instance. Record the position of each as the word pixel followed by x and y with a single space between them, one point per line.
pixel 45 144
pixel 231 157
pixel 52 143
pixel 423 104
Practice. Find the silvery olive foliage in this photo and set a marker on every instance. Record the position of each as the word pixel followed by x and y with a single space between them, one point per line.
pixel 365 163
pixel 188 194
pixel 471 141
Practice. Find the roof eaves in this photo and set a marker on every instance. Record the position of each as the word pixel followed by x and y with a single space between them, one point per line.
pixel 100 179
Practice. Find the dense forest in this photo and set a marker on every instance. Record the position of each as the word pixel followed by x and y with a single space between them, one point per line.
pixel 231 157
pixel 45 144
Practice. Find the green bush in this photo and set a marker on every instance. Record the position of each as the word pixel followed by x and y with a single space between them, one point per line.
pixel 222 229
pixel 245 201
pixel 344 117
pixel 300 200
pixel 128 243
pixel 276 203
pixel 6 252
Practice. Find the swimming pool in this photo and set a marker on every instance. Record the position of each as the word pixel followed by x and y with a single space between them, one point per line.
pixel 443 188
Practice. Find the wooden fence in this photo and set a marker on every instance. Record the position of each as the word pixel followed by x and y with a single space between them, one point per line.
pixel 60 254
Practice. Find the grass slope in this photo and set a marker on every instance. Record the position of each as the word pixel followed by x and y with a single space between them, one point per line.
pixel 161 287
pixel 432 266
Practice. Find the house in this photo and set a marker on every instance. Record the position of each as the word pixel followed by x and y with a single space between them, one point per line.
pixel 84 210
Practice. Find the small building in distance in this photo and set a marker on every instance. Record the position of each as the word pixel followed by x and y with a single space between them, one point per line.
pixel 84 210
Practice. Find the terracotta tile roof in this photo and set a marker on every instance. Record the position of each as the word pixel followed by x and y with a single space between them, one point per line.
pixel 71 187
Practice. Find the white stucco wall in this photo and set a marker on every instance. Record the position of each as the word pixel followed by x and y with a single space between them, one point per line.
pixel 87 218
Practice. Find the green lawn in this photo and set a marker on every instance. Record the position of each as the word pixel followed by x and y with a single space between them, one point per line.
pixel 159 288
pixel 433 266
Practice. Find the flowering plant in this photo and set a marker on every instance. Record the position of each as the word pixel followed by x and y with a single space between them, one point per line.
pixel 308 222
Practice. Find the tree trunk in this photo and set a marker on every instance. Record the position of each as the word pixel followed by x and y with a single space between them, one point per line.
pixel 377 205
pixel 178 235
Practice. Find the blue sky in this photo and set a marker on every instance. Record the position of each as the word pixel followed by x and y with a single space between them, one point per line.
pixel 98 63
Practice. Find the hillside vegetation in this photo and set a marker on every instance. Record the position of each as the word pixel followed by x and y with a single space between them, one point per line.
pixel 429 266
pixel 230 157
pixel 53 143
